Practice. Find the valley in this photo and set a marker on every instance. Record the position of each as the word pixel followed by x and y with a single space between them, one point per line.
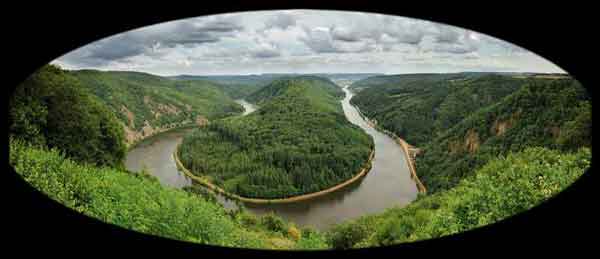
pixel 296 135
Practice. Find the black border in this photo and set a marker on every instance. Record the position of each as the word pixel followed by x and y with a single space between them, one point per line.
pixel 37 33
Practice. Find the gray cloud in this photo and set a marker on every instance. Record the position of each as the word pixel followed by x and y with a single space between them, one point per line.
pixel 187 33
pixel 454 48
pixel 266 53
pixel 281 21
pixel 447 34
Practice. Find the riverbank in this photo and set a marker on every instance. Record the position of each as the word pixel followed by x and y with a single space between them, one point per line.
pixel 405 146
pixel 302 197
pixel 159 133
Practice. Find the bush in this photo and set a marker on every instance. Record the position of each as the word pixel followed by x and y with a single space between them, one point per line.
pixel 294 233
pixel 345 236
pixel 273 223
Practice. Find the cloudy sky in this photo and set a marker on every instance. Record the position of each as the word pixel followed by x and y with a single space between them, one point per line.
pixel 302 41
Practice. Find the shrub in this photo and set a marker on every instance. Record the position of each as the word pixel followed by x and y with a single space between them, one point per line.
pixel 273 223
pixel 345 236
pixel 294 233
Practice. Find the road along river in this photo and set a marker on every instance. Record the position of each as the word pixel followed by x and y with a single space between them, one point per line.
pixel 388 183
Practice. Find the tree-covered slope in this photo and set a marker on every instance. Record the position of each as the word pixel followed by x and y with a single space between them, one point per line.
pixel 504 186
pixel 419 107
pixel 138 202
pixel 543 113
pixel 147 103
pixel 461 121
pixel 52 108
pixel 298 142
pixel 280 86
pixel 236 86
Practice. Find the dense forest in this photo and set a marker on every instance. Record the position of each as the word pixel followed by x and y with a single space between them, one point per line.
pixel 146 103
pixel 51 108
pixel 419 107
pixel 298 142
pixel 461 121
pixel 236 86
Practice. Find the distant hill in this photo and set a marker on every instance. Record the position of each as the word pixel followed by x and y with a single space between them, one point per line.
pixel 146 103
pixel 241 86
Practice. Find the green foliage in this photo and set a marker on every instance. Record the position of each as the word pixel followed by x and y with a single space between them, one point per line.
pixel 273 223
pixel 298 142
pixel 346 235
pixel 312 239
pixel 201 192
pixel 420 107
pixel 144 95
pixel 551 113
pixel 133 201
pixel 463 120
pixel 52 108
pixel 505 186
pixel 578 131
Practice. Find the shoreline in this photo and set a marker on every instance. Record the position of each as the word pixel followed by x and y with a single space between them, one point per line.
pixel 158 133
pixel 411 164
pixel 291 199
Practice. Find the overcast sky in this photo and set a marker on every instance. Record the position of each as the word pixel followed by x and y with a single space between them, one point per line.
pixel 302 41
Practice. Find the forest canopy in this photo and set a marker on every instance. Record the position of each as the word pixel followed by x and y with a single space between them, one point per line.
pixel 297 142
pixel 461 121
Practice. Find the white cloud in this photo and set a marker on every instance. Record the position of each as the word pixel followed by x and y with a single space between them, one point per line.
pixel 303 41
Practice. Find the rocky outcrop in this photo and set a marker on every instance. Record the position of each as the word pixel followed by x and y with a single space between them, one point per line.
pixel 499 127
pixel 130 116
pixel 472 141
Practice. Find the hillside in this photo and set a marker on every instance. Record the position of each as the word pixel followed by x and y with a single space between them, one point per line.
pixel 146 104
pixel 503 187
pixel 298 142
pixel 236 86
pixel 146 206
pixel 419 107
pixel 51 108
pixel 462 121
pixel 280 86
pixel 555 114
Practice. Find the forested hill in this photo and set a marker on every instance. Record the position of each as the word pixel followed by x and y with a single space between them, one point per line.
pixel 146 103
pixel 419 107
pixel 555 114
pixel 298 142
pixel 461 121
pixel 236 86
pixel 312 85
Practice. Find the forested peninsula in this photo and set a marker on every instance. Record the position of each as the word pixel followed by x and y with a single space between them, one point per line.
pixel 297 142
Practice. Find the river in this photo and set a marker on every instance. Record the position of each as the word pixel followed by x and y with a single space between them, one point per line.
pixel 388 184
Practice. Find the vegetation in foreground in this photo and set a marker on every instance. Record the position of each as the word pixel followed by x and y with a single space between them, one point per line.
pixel 52 108
pixel 503 187
pixel 298 142
pixel 140 203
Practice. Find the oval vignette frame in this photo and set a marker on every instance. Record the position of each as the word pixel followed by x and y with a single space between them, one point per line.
pixel 504 221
